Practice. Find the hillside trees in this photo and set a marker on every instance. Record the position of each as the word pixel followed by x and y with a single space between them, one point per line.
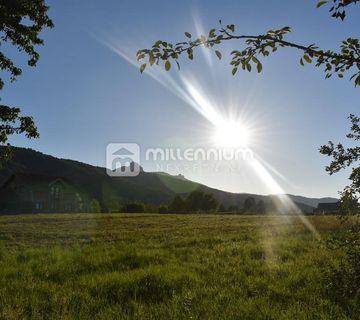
pixel 134 207
pixel 249 204
pixel 177 205
pixel 261 207
pixel 209 202
pixel 196 201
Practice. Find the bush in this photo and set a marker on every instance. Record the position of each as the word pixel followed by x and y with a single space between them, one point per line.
pixel 95 206
pixel 163 209
pixel 134 207
pixel 342 283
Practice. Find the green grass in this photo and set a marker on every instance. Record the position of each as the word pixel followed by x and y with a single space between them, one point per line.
pixel 85 266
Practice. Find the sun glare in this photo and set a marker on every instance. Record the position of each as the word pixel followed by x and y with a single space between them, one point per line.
pixel 228 133
pixel 231 134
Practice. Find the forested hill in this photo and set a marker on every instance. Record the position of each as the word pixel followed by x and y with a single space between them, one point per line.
pixel 148 187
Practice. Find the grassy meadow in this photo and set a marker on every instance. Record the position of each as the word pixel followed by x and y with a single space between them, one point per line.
pixel 93 266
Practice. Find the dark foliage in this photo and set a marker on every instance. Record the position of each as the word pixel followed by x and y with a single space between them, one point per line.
pixel 20 25
pixel 177 205
pixel 249 204
pixel 342 283
pixel 134 207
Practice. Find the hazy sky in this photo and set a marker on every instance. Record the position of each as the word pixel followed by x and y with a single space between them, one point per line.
pixel 84 95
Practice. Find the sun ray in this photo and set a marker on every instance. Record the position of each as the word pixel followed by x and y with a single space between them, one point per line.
pixel 285 201
pixel 201 31
pixel 187 90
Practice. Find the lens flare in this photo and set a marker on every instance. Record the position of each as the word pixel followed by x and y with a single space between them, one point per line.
pixel 228 133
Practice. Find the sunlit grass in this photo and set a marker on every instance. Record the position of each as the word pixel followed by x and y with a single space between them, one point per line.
pixel 164 267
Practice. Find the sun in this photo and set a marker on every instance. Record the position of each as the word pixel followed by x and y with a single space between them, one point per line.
pixel 231 134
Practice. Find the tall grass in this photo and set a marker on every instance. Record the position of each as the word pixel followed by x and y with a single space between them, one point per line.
pixel 164 267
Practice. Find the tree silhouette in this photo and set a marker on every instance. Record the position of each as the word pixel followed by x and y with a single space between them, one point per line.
pixel 260 207
pixel 177 205
pixel 194 201
pixel 134 207
pixel 20 25
pixel 221 208
pixel 249 204
pixel 163 209
pixel 233 208
pixel 209 202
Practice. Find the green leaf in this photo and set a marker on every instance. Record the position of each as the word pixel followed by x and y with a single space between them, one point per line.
pixel 231 27
pixel 178 65
pixel 190 53
pixel 307 59
pixel 320 3
pixel 259 67
pixel 234 71
pixel 357 81
pixel 212 33
pixel 301 62
pixel 151 59
pixel 286 29
pixel 142 67
pixel 354 75
pixel 158 43
pixel 140 56
pixel 167 65
pixel 253 58
pixel 218 53
pixel 187 34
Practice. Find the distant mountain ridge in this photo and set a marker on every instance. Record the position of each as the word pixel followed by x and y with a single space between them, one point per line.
pixel 312 202
pixel 149 187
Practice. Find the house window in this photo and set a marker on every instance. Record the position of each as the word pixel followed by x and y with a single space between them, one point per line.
pixel 55 192
pixel 39 205
pixel 68 207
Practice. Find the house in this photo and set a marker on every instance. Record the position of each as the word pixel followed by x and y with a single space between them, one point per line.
pixel 327 208
pixel 34 193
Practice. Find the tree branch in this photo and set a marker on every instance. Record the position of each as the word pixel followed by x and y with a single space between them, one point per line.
pixel 256 45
